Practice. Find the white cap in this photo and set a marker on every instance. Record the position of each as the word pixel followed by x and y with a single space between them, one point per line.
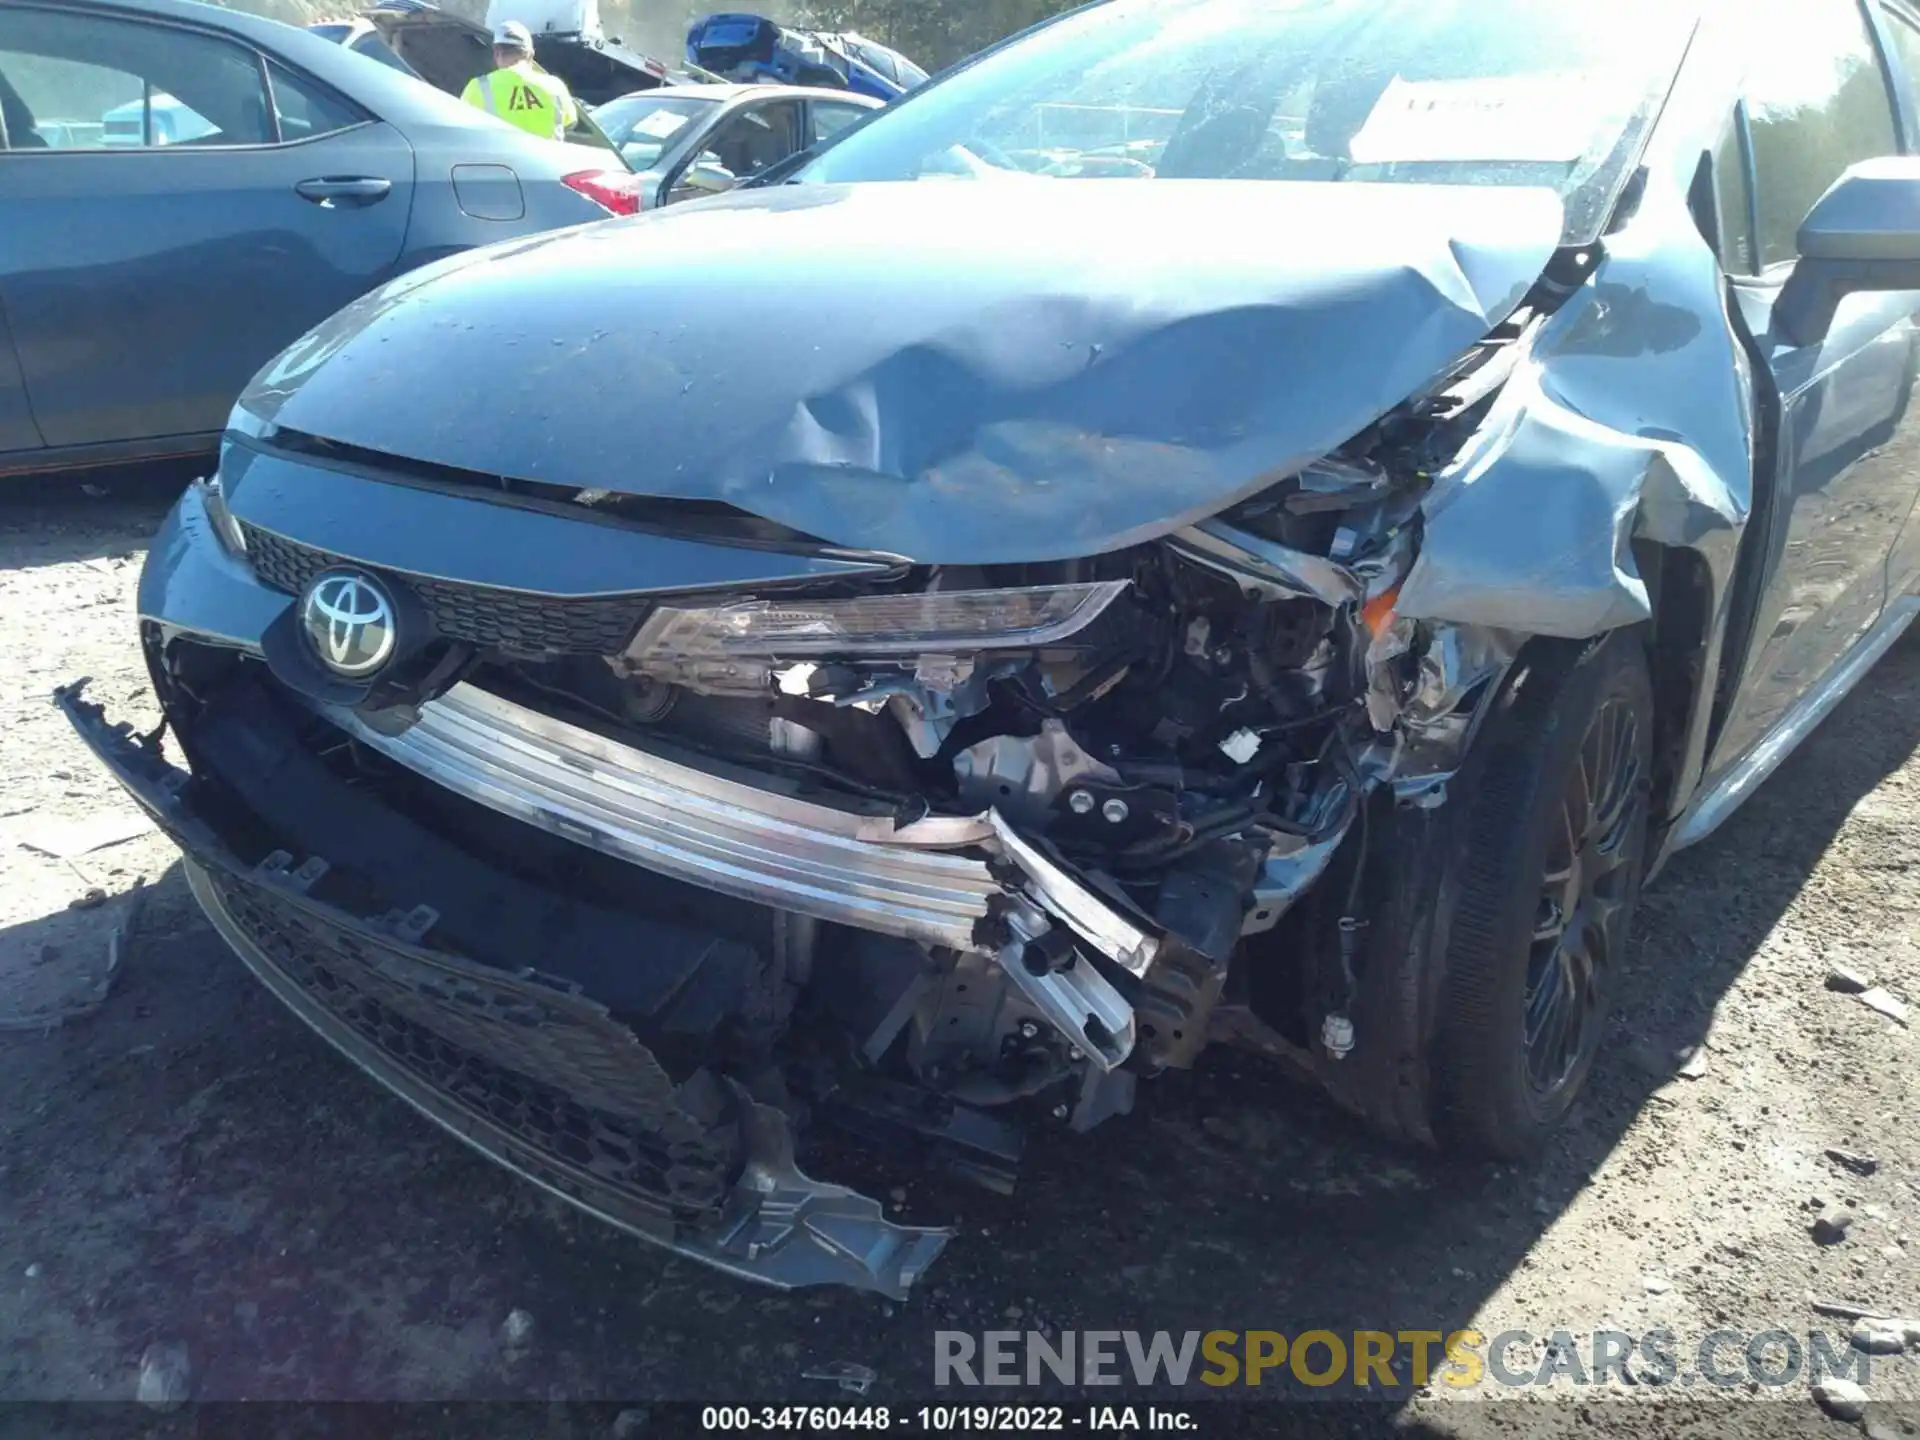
pixel 513 36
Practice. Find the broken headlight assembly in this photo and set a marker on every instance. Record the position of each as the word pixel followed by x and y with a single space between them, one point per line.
pixel 904 625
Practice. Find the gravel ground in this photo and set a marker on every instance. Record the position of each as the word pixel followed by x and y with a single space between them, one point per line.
pixel 187 1165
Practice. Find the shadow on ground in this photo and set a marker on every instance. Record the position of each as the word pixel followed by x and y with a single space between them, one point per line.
pixel 191 1164
pixel 65 518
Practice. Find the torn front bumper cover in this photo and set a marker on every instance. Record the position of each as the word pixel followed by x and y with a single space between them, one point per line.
pixel 542 1078
pixel 528 1071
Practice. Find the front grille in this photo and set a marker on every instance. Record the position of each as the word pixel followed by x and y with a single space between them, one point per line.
pixel 550 1068
pixel 492 619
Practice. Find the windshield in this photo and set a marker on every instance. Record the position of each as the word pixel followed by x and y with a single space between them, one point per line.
pixel 645 126
pixel 1464 92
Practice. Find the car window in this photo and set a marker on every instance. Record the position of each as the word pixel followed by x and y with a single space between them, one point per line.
pixel 647 125
pixel 84 82
pixel 585 131
pixel 830 117
pixel 1905 36
pixel 749 142
pixel 874 57
pixel 1816 102
pixel 1450 92
pixel 304 110
pixel 1733 210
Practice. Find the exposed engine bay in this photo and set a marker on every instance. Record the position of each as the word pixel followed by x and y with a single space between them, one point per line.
pixel 643 895
pixel 1191 728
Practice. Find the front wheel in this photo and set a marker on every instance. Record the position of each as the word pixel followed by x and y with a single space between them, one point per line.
pixel 1545 888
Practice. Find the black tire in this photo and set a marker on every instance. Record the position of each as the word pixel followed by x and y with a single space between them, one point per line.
pixel 1505 1069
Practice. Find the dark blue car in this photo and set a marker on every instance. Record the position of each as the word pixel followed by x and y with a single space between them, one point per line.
pixel 751 47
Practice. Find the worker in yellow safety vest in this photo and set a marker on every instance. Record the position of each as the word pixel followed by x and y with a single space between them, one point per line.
pixel 518 92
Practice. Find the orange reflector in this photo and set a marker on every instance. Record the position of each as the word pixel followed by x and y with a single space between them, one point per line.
pixel 1377 613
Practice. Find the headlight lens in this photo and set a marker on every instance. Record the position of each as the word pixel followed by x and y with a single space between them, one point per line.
pixel 952 620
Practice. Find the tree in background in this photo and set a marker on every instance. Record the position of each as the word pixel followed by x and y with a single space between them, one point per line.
pixel 933 33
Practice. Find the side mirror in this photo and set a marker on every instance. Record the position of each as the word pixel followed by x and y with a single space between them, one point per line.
pixel 709 177
pixel 1863 234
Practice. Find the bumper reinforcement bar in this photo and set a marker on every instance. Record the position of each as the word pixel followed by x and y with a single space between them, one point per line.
pixel 928 881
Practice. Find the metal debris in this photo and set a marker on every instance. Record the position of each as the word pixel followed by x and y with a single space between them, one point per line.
pixel 852 1378
pixel 1695 1065
pixel 1883 1002
pixel 1847 1160
pixel 166 1377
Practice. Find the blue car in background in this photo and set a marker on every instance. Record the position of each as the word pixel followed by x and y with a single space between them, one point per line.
pixel 752 48
pixel 185 190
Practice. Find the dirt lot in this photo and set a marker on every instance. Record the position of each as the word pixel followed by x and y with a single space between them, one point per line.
pixel 188 1165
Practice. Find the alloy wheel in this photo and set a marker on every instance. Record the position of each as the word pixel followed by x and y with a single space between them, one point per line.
pixel 1587 881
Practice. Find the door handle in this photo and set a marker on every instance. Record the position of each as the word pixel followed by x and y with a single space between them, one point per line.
pixel 346 191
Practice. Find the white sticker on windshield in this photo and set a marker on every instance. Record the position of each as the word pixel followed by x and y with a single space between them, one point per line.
pixel 1513 119
pixel 659 124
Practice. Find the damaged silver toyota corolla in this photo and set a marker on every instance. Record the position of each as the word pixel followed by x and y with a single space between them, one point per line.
pixel 876 655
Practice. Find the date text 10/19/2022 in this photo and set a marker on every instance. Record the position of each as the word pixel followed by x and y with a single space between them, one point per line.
pixel 942 1418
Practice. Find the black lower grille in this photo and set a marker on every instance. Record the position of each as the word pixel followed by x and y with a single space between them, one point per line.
pixel 550 1068
pixel 493 619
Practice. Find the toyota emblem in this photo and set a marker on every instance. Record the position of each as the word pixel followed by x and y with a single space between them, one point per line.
pixel 349 622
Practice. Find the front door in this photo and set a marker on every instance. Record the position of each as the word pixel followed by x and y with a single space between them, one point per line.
pixel 1816 100
pixel 184 210
pixel 18 433
pixel 1900 24
pixel 746 142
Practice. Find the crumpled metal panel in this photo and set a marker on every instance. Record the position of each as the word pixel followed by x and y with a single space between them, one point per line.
pixel 1430 726
pixel 955 373
pixel 1627 418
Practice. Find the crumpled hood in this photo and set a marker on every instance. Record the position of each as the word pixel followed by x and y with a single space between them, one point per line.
pixel 964 372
